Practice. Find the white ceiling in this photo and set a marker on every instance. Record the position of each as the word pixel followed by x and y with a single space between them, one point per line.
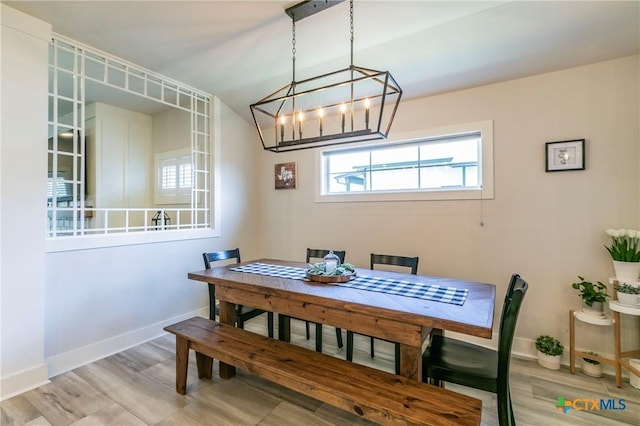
pixel 241 50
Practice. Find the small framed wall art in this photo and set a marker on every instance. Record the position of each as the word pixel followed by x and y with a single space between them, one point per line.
pixel 285 176
pixel 565 155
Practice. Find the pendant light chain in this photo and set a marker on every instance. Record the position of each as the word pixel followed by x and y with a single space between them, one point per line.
pixel 351 96
pixel 293 79
pixel 293 49
pixel 351 27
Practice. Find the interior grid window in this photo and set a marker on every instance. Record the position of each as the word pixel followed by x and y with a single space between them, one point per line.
pixel 69 213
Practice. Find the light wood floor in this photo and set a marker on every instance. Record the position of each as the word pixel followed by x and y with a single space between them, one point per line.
pixel 136 387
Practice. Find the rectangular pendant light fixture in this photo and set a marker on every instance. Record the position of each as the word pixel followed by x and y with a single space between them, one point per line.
pixel 349 105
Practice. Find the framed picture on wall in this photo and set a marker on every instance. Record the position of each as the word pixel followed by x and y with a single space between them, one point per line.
pixel 285 176
pixel 565 155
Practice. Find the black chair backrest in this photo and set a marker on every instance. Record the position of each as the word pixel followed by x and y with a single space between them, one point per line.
pixel 512 302
pixel 321 253
pixel 385 259
pixel 215 256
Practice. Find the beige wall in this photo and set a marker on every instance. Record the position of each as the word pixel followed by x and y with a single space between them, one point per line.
pixel 549 227
pixel 240 190
pixel 171 130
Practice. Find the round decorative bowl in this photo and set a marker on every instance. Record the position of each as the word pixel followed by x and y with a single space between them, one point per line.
pixel 330 278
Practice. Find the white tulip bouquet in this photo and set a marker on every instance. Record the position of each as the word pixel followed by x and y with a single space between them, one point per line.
pixel 624 245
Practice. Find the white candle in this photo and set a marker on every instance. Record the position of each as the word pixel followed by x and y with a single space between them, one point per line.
pixel 366 113
pixel 330 266
pixel 293 125
pixel 300 117
pixel 282 121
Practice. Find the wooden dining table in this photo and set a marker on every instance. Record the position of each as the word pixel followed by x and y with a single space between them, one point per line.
pixel 402 319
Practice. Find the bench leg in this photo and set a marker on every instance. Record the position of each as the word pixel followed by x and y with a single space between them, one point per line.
pixel 205 366
pixel 182 364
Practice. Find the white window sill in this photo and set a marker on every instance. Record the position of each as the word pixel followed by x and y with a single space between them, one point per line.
pixel 89 242
pixel 417 195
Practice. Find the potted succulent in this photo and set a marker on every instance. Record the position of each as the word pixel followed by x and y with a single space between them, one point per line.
pixel 591 367
pixel 593 295
pixel 628 294
pixel 625 252
pixel 549 352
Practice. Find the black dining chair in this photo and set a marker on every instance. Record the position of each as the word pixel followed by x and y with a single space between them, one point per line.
pixel 320 254
pixel 385 259
pixel 243 313
pixel 455 361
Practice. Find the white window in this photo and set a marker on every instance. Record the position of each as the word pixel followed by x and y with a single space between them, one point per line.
pixel 452 163
pixel 174 178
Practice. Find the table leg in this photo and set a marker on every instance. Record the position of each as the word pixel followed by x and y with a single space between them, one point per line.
pixel 284 328
pixel 227 316
pixel 411 362
pixel 616 328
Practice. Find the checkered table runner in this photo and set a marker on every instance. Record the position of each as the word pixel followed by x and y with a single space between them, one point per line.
pixel 431 292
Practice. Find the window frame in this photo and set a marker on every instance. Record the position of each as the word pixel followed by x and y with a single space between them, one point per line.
pixel 210 137
pixel 486 191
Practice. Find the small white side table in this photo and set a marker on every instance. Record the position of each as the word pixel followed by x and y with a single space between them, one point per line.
pixel 573 353
pixel 622 358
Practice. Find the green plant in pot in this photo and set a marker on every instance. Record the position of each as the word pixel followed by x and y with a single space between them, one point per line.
pixel 625 253
pixel 628 294
pixel 592 367
pixel 593 295
pixel 550 351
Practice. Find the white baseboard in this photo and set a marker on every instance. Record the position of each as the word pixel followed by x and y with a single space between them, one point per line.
pixel 67 361
pixel 23 381
pixel 526 348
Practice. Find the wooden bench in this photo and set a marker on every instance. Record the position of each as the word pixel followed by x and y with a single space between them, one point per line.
pixel 376 395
